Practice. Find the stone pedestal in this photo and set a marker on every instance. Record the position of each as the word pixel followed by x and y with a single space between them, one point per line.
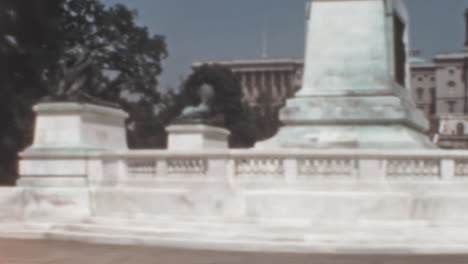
pixel 353 93
pixel 453 131
pixel 79 126
pixel 67 138
pixel 196 137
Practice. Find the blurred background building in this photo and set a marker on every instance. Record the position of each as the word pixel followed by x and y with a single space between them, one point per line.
pixel 440 89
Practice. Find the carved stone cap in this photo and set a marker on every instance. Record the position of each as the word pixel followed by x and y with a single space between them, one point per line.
pixel 69 107
pixel 196 128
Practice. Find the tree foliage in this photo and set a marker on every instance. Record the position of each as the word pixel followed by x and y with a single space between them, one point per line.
pixel 128 57
pixel 35 37
pixel 227 90
pixel 227 101
pixel 27 48
pixel 266 116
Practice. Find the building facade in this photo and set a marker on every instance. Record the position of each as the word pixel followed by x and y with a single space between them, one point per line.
pixel 439 88
pixel 264 80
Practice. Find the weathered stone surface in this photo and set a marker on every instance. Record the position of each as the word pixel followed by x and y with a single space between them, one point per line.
pixel 196 136
pixel 353 93
pixel 79 126
pixel 43 204
pixel 67 140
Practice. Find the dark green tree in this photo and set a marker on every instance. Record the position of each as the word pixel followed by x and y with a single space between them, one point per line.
pixel 36 35
pixel 266 116
pixel 227 101
pixel 27 48
pixel 127 57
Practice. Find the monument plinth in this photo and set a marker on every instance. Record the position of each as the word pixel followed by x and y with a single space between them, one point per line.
pixel 70 125
pixel 197 136
pixel 66 136
pixel 353 93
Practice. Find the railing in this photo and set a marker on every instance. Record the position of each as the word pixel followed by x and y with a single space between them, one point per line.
pixel 288 165
pixel 327 167
pixel 259 167
pixel 413 167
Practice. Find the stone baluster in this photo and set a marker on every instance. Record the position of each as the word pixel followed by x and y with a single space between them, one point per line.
pixel 230 170
pixel 122 170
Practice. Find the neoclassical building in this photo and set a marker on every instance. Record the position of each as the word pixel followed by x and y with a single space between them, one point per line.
pixel 439 88
pixel 264 80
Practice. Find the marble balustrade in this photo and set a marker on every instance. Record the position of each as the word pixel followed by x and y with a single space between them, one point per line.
pixel 287 164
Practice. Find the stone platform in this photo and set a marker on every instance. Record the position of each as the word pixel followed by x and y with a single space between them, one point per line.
pixel 365 237
pixel 339 202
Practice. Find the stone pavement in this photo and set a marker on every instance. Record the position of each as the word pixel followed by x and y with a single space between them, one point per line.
pixel 58 252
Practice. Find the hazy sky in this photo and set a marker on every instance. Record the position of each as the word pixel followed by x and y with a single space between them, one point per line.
pixel 213 29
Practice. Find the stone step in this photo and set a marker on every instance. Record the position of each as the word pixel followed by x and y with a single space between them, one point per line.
pixel 185 232
pixel 239 244
pixel 355 234
pixel 390 238
pixel 276 225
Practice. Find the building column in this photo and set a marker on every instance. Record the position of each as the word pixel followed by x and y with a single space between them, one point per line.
pixel 257 86
pixel 243 81
pixel 262 82
pixel 282 84
pixel 274 86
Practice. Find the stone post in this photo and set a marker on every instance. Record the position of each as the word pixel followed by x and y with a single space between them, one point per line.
pixel 371 169
pixel 68 138
pixel 196 137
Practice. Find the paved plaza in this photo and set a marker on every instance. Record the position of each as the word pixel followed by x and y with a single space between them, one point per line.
pixel 58 252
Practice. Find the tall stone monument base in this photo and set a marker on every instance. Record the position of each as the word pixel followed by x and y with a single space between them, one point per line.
pixel 381 120
pixel 355 70
pixel 344 137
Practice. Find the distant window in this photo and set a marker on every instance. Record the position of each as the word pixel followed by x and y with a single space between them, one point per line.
pixel 433 94
pixel 460 129
pixel 420 79
pixel 451 71
pixel 420 93
pixel 451 88
pixel 432 79
pixel 451 106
